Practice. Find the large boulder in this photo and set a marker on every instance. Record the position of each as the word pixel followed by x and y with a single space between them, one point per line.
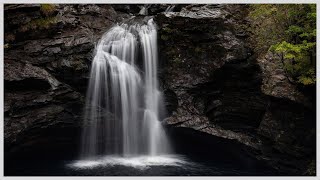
pixel 34 99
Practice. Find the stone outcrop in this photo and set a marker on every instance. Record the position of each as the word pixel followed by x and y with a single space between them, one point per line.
pixel 47 61
pixel 224 89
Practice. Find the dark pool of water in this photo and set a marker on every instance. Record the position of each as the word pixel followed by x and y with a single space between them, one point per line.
pixel 195 155
pixel 182 165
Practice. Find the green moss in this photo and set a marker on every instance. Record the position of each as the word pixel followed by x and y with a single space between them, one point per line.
pixel 176 60
pixel 167 30
pixel 164 37
pixel 40 24
pixel 47 9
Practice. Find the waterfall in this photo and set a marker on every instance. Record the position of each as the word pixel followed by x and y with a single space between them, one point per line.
pixel 170 8
pixel 144 10
pixel 123 102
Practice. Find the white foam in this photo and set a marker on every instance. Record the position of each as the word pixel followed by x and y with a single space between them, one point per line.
pixel 139 162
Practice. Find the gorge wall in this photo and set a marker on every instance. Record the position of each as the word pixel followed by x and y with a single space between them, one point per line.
pixel 212 80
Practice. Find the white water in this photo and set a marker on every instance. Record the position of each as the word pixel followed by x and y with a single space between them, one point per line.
pixel 139 162
pixel 122 114
pixel 170 8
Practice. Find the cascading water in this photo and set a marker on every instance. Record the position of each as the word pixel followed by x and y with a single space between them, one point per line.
pixel 170 8
pixel 123 105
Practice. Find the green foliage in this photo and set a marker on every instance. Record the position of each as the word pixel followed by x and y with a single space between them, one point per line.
pixel 294 30
pixel 290 30
pixel 47 9
pixel 297 60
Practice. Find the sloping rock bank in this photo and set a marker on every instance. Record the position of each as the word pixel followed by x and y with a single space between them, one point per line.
pixel 212 80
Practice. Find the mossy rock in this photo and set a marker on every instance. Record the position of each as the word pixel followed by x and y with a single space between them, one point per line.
pixel 167 30
pixel 9 37
pixel 164 37
pixel 6 46
pixel 47 9
pixel 39 24
pixel 198 50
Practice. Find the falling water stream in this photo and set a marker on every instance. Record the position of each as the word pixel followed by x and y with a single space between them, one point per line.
pixel 122 114
pixel 170 8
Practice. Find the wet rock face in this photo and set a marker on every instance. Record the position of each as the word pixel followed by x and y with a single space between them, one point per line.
pixel 224 90
pixel 194 43
pixel 276 82
pixel 47 61
pixel 241 105
pixel 34 99
pixel 62 43
pixel 275 124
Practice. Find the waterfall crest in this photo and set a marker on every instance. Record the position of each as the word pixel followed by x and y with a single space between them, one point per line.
pixel 122 113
